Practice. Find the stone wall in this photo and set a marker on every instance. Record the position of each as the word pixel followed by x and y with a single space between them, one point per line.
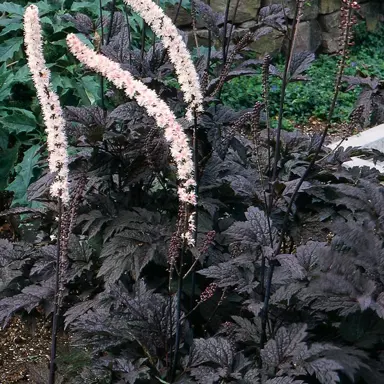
pixel 317 31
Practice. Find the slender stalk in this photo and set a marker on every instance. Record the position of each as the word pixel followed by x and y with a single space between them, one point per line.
pixel 143 31
pixel 128 33
pixel 56 309
pixel 306 173
pixel 196 171
pixel 232 23
pixel 209 46
pixel 102 42
pixel 226 16
pixel 285 80
pixel 264 313
pixel 178 303
pixel 174 22
pixel 284 84
pixel 267 60
pixel 111 21
pixel 325 132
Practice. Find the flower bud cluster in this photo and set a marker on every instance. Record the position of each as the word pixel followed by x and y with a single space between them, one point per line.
pixel 50 104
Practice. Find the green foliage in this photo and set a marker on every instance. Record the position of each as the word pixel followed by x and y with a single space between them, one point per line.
pixel 304 99
pixel 26 173
pixel 312 98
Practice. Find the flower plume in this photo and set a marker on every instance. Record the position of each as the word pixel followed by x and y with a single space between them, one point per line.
pixel 50 104
pixel 155 107
pixel 179 55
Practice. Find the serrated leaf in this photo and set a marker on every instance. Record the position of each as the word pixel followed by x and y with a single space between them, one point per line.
pixel 325 370
pixel 9 48
pixel 301 61
pixel 20 121
pixel 11 28
pixel 12 8
pixel 6 82
pixel 284 380
pixel 25 173
pixel 253 231
pixel 284 345
pixel 8 158
pixel 213 350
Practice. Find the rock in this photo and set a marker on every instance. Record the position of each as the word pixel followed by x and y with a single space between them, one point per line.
pixel 329 43
pixel 270 43
pixel 247 9
pixel 248 24
pixel 184 17
pixel 310 9
pixel 330 22
pixel 308 36
pixel 329 6
pixel 371 14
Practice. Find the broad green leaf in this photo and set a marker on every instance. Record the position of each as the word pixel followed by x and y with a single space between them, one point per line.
pixel 89 6
pixel 11 20
pixel 6 82
pixel 61 84
pixel 87 88
pixel 12 8
pixel 20 121
pixel 8 157
pixel 22 75
pixel 10 28
pixel 26 173
pixel 9 48
pixel 4 136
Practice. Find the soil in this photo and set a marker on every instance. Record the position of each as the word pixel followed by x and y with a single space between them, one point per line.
pixel 337 131
pixel 24 344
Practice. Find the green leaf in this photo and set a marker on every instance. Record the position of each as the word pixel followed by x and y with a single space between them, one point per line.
pixel 6 82
pixel 8 158
pixel 22 75
pixel 20 121
pixel 26 174
pixel 10 28
pixel 12 8
pixel 11 20
pixel 88 89
pixel 9 48
pixel 4 136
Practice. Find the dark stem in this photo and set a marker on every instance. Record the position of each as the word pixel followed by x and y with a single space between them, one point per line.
pixel 143 31
pixel 323 136
pixel 303 178
pixel 178 312
pixel 209 47
pixel 56 309
pixel 226 15
pixel 283 90
pixel 111 22
pixel 264 312
pixel 128 32
pixel 232 23
pixel 196 171
pixel 174 22
pixel 101 43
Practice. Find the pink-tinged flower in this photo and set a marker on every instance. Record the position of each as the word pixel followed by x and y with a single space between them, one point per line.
pixel 155 107
pixel 50 104
pixel 179 55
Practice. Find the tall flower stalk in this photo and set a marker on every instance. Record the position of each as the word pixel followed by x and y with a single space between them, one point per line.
pixel 50 104
pixel 57 155
pixel 155 107
pixel 179 55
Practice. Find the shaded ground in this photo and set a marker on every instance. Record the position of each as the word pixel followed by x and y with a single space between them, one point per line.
pixel 336 132
pixel 23 346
